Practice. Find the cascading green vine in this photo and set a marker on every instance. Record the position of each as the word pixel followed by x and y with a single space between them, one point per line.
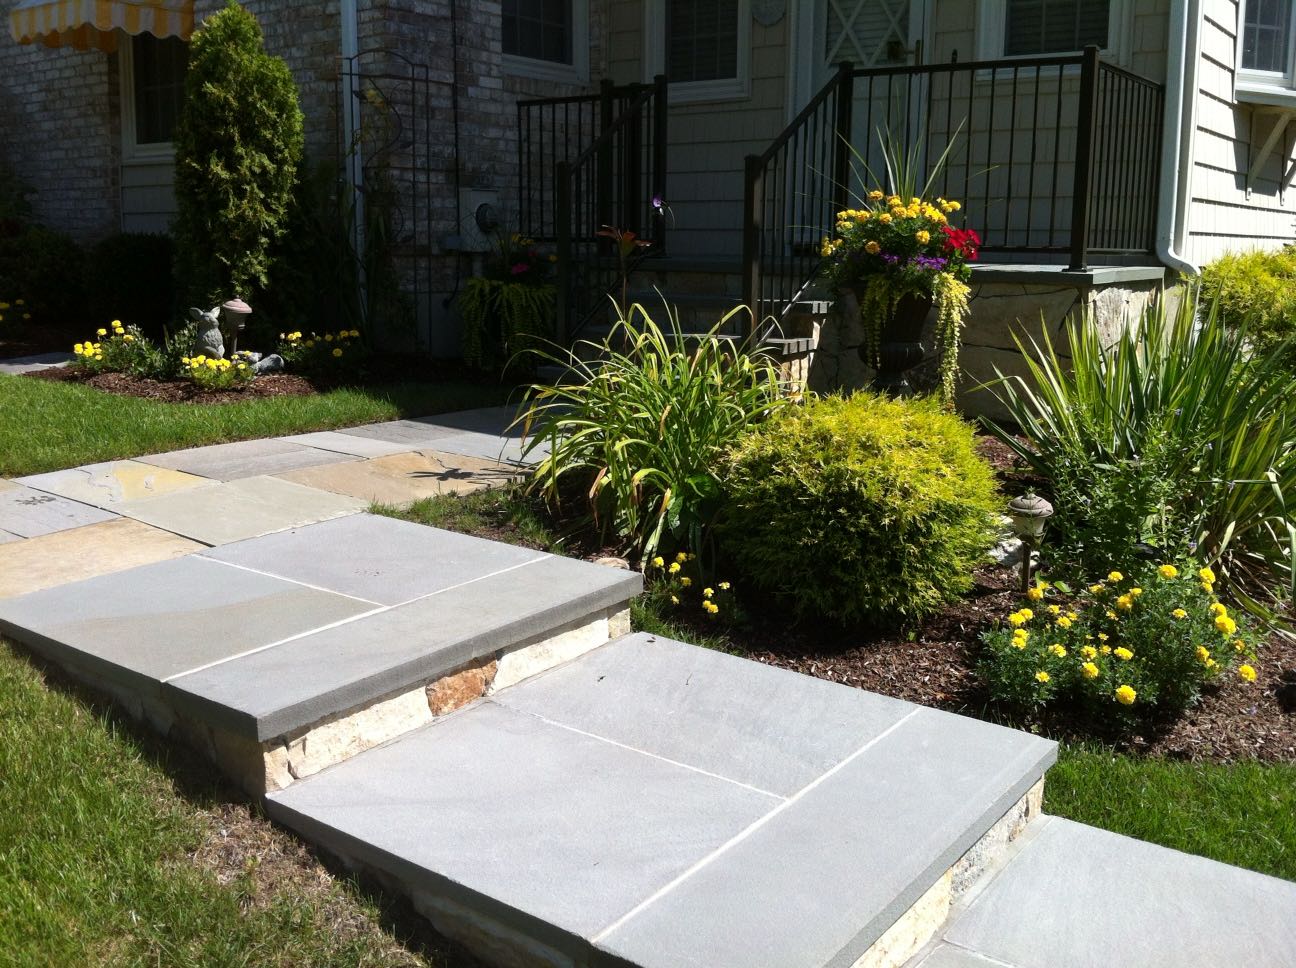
pixel 501 319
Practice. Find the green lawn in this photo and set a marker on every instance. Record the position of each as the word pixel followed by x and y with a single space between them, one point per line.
pixel 49 425
pixel 116 848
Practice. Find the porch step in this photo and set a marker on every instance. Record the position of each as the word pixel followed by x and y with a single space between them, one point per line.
pixel 659 805
pixel 1071 896
pixel 283 654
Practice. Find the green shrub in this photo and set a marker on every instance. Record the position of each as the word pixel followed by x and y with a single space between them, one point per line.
pixel 1255 290
pixel 130 276
pixel 1173 436
pixel 118 349
pixel 1129 647
pixel 46 269
pixel 503 319
pixel 331 357
pixel 637 437
pixel 860 508
pixel 238 144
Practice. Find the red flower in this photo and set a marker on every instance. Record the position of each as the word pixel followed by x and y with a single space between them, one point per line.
pixel 519 268
pixel 965 242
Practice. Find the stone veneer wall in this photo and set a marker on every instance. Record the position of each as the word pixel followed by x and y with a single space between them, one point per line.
pixel 998 311
pixel 58 115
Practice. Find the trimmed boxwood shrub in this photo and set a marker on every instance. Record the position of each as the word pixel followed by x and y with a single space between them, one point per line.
pixel 1257 290
pixel 860 509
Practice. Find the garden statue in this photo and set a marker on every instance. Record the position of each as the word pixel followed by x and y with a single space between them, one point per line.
pixel 210 340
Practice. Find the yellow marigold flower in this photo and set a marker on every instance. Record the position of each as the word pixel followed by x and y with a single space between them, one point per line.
pixel 102 332
pixel 871 247
pixel 885 218
pixel 1207 587
pixel 337 352
pixel 355 334
pixel 863 216
pixel 711 607
pixel 1019 644
pixel 724 586
pixel 681 557
pixel 1102 636
pixel 954 206
pixel 1064 622
pixel 825 249
pixel 1205 574
pixel 674 599
pixel 129 338
pixel 1055 609
pixel 1225 624
pixel 1126 696
pixel 1026 613
pixel 1115 576
pixel 1168 571
pixel 686 581
pixel 1057 650
pixel 1035 594
pixel 1123 654
pixel 658 562
pixel 708 592
pixel 1042 676
pixel 1016 618
pixel 893 200
pixel 1105 650
pixel 1088 652
pixel 1218 609
pixel 1096 589
pixel 1239 646
pixel 1135 592
pixel 843 226
pixel 875 195
pixel 1203 653
pixel 1090 670
pixel 1247 673
pixel 923 237
pixel 1179 613
pixel 674 568
pixel 1125 603
pixel 844 213
pixel 1111 614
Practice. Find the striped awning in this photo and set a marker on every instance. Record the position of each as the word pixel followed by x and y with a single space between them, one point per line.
pixel 96 24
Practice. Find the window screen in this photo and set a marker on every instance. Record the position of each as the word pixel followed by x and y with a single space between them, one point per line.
pixel 1266 34
pixel 1055 26
pixel 701 40
pixel 539 29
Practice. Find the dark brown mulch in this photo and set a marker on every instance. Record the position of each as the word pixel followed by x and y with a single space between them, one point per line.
pixel 181 391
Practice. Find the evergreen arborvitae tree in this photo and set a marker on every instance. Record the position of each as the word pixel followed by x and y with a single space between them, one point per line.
pixel 238 145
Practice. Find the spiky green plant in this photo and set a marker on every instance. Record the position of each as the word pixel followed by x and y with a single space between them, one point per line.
pixel 1173 435
pixel 636 435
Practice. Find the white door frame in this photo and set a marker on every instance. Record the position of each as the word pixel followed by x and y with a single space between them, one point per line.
pixel 805 40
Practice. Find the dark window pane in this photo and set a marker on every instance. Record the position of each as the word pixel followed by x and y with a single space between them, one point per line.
pixel 1055 26
pixel 1266 35
pixel 701 39
pixel 159 69
pixel 539 29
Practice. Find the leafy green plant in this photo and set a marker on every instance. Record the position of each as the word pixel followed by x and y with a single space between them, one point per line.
pixel 504 319
pixel 1174 436
pixel 683 588
pixel 226 374
pixel 238 145
pixel 45 269
pixel 859 509
pixel 1125 648
pixel 637 436
pixel 1256 290
pixel 330 356
pixel 118 349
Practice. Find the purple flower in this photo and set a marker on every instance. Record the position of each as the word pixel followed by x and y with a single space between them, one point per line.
pixel 519 268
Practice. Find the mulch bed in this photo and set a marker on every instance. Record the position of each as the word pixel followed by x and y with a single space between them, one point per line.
pixel 181 391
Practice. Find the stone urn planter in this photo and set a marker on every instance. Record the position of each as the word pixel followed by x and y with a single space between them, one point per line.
pixel 900 346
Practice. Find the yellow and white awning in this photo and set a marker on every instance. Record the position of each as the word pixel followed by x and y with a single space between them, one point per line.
pixel 94 24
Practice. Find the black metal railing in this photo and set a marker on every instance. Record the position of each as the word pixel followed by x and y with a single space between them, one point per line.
pixel 617 182
pixel 554 130
pixel 1052 156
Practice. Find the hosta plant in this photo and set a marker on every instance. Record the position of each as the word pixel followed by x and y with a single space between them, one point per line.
pixel 635 437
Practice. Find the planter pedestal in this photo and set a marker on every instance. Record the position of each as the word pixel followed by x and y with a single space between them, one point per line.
pixel 900 347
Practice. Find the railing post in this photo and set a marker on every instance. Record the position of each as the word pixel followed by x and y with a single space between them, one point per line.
pixel 603 189
pixel 1086 117
pixel 842 137
pixel 660 156
pixel 753 223
pixel 563 226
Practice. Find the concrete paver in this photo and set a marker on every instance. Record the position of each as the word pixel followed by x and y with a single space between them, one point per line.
pixel 108 484
pixel 402 479
pixel 96 549
pixel 350 444
pixel 29 513
pixel 244 458
pixel 235 510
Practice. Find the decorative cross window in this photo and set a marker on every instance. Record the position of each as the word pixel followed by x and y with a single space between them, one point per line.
pixel 865 32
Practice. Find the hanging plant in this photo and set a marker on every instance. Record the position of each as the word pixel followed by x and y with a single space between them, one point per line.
pixel 510 307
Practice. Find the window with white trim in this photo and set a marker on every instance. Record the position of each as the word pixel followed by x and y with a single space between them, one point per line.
pixel 1054 26
pixel 153 77
pixel 702 46
pixel 547 39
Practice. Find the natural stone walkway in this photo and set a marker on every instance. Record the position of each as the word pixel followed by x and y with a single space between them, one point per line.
pixel 472 722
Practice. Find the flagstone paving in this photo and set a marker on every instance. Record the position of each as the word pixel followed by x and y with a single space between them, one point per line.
pixel 109 484
pixel 96 549
pixel 245 458
pixel 404 478
pixel 29 513
pixel 351 444
pixel 235 510
pixel 16 365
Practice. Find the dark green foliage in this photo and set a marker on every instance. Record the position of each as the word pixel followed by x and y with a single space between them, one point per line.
pixel 238 146
pixel 130 277
pixel 860 508
pixel 1256 290
pixel 15 204
pixel 503 319
pixel 46 269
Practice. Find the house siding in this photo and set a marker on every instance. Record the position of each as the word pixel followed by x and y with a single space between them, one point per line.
pixel 1228 137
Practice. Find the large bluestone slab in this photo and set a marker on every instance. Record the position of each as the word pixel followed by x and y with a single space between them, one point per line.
pixel 804 836
pixel 350 444
pixel 112 483
pixel 1078 897
pixel 137 628
pixel 29 513
pixel 235 510
pixel 245 458
pixel 402 479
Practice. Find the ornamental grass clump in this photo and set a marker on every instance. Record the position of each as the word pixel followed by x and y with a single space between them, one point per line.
pixel 1129 647
pixel 1173 435
pixel 860 509
pixel 635 437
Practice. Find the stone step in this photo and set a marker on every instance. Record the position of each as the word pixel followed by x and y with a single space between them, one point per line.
pixel 660 805
pixel 283 654
pixel 1071 896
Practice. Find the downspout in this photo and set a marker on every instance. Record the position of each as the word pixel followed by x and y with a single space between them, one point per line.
pixel 1183 58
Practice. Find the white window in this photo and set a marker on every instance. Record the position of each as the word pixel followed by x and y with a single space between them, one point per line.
pixel 702 46
pixel 1266 71
pixel 152 87
pixel 1043 28
pixel 546 39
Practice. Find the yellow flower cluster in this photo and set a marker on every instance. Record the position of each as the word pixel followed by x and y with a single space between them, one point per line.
pixel 88 350
pixel 4 307
pixel 199 363
pixel 1125 695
